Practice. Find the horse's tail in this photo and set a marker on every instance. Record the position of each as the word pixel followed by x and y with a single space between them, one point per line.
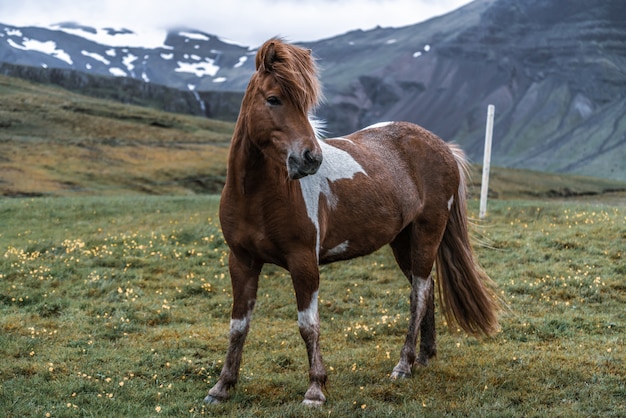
pixel 466 292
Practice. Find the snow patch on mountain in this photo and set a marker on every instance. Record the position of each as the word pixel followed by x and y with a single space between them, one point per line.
pixel 200 69
pixel 195 35
pixel 128 61
pixel 115 37
pixel 95 56
pixel 46 47
pixel 118 72
pixel 242 61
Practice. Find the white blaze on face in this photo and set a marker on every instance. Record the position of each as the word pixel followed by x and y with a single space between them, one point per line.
pixel 337 164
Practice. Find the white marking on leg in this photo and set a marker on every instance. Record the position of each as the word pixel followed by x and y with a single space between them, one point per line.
pixel 419 299
pixel 450 203
pixel 336 164
pixel 339 249
pixel 423 286
pixel 309 317
pixel 239 325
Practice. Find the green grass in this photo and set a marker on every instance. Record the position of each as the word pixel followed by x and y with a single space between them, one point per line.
pixel 57 143
pixel 120 306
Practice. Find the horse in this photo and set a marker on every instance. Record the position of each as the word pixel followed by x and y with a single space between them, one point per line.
pixel 297 201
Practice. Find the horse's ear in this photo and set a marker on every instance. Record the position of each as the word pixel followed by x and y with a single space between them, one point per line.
pixel 265 62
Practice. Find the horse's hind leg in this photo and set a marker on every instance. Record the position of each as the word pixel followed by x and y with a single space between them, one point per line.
pixel 416 261
pixel 245 280
pixel 428 334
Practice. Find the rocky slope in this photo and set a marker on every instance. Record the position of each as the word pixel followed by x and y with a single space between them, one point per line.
pixel 555 70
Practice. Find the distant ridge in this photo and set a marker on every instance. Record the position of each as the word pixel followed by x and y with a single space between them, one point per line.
pixel 555 70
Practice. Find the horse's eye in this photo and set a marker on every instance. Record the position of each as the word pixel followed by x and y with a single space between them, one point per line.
pixel 273 101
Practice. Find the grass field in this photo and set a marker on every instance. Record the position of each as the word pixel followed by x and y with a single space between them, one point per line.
pixel 119 306
pixel 114 303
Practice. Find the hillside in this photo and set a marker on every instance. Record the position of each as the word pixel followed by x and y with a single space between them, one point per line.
pixel 54 142
pixel 57 143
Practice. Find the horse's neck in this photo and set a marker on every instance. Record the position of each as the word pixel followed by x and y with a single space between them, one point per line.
pixel 248 170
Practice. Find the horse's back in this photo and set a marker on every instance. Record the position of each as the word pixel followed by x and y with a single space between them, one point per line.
pixel 407 142
pixel 405 156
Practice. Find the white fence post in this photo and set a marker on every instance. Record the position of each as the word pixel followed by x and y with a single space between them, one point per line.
pixel 484 188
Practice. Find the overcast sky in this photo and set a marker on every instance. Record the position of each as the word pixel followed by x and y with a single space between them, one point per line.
pixel 249 22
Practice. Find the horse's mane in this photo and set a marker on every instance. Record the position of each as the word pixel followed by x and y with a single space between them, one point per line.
pixel 295 71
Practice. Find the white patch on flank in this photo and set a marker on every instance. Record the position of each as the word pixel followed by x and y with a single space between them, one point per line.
pixel 339 249
pixel 450 203
pixel 378 125
pixel 337 164
pixel 309 317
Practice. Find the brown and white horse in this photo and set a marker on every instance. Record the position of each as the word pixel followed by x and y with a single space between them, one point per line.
pixel 297 201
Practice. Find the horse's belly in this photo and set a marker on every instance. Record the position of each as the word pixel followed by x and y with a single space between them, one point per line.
pixel 356 239
pixel 346 251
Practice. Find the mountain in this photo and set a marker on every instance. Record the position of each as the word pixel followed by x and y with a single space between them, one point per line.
pixel 186 59
pixel 554 69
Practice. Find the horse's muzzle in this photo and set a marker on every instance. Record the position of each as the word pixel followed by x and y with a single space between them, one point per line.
pixel 305 164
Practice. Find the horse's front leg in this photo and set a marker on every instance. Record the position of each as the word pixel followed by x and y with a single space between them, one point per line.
pixel 305 278
pixel 244 275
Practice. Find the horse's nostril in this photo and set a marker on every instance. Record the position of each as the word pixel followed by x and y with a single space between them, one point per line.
pixel 311 158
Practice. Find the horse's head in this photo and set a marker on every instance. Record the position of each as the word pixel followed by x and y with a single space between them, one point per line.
pixel 277 103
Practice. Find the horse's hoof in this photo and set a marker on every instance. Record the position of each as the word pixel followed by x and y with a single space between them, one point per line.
pixel 395 375
pixel 211 400
pixel 312 403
